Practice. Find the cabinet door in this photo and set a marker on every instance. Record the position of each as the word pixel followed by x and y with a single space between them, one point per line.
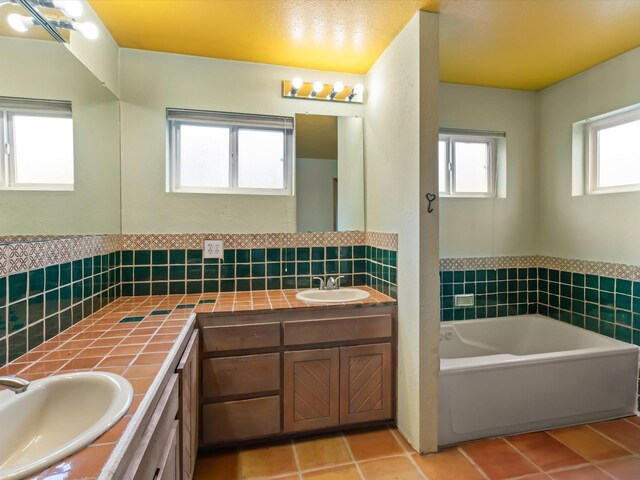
pixel 188 412
pixel 311 389
pixel 365 383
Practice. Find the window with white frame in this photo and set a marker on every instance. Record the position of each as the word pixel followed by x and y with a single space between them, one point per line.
pixel 216 152
pixel 37 144
pixel 612 146
pixel 467 163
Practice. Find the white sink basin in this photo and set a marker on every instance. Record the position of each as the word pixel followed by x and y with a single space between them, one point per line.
pixel 332 296
pixel 56 417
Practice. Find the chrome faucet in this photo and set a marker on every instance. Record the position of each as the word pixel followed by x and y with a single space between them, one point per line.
pixel 331 283
pixel 15 384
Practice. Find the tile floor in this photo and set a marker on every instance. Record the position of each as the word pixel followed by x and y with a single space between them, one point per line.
pixel 606 450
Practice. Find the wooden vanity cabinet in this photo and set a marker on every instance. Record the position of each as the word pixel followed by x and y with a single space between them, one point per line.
pixel 277 373
pixel 167 445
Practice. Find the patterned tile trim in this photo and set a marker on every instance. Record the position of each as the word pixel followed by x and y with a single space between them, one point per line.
pixel 603 269
pixel 25 256
pixel 169 241
pixel 486 263
pixel 386 241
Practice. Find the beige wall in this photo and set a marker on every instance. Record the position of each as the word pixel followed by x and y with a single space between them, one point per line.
pixel 400 142
pixel 149 83
pixel 46 70
pixel 589 227
pixel 480 227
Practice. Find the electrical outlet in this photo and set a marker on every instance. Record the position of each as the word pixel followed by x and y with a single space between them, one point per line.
pixel 213 249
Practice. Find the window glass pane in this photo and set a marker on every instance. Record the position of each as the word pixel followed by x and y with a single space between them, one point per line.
pixel 442 165
pixel 260 158
pixel 204 156
pixel 619 155
pixel 471 164
pixel 43 150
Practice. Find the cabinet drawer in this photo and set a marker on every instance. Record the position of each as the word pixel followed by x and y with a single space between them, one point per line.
pixel 337 329
pixel 240 375
pixel 241 337
pixel 240 420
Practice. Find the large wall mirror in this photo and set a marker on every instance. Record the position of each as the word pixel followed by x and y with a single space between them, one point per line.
pixel 329 173
pixel 41 85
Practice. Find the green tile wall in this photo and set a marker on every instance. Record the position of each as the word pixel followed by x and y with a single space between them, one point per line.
pixel 38 304
pixel 160 272
pixel 382 270
pixel 610 306
pixel 498 292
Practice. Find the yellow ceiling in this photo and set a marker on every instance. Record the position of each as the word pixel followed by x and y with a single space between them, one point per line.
pixel 524 44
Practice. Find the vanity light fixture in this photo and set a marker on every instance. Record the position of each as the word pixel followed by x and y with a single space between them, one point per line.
pixel 358 90
pixel 338 92
pixel 71 9
pixel 296 83
pixel 317 88
pixel 337 88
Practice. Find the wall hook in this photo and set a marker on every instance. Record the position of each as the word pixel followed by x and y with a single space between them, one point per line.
pixel 430 198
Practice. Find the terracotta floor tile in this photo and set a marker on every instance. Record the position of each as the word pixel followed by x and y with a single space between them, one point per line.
pixel 267 461
pixel 545 451
pixel 621 431
pixel 498 459
pixel 322 451
pixel 588 443
pixel 220 465
pixel 627 468
pixel 582 473
pixel 373 443
pixel 393 468
pixel 536 476
pixel 348 472
pixel 448 464
pixel 635 420
pixel 402 441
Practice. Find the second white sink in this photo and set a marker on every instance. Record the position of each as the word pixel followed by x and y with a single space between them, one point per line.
pixel 56 417
pixel 332 296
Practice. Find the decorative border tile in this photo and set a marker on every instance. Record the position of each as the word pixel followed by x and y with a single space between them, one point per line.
pixel 604 269
pixel 387 241
pixel 24 256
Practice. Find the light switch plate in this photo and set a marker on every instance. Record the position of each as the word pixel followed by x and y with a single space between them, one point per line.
pixel 213 249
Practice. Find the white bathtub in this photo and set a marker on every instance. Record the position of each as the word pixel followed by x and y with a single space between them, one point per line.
pixel 509 375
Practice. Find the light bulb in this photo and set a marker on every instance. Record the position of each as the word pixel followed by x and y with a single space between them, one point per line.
pixel 88 29
pixel 72 8
pixel 338 87
pixel 19 23
pixel 358 89
pixel 296 83
pixel 317 87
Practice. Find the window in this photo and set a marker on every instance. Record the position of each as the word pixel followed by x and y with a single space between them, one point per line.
pixel 37 145
pixel 213 152
pixel 613 152
pixel 467 163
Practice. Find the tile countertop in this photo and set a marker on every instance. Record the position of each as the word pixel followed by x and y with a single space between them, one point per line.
pixel 137 337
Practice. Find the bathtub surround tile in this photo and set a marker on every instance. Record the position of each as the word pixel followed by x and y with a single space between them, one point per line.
pixel 498 460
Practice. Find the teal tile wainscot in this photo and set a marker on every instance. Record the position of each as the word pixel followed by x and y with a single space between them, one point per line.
pixel 50 283
pixel 46 286
pixel 166 264
pixel 599 296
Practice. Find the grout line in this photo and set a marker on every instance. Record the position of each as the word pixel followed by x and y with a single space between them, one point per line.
pixel 472 462
pixel 359 470
pixel 522 455
pixel 295 457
